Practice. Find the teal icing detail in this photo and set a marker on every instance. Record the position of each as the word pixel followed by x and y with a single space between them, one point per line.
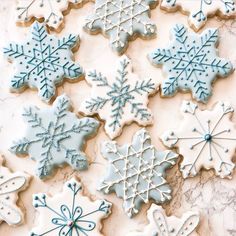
pixel 200 9
pixel 191 63
pixel 136 172
pixel 70 218
pixel 55 136
pixel 43 62
pixel 121 21
pixel 120 100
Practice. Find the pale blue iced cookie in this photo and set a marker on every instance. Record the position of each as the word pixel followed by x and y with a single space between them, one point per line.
pixel 121 21
pixel 199 10
pixel 191 63
pixel 55 136
pixel 43 62
pixel 69 213
pixel 119 99
pixel 136 172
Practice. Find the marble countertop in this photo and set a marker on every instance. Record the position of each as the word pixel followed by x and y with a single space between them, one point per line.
pixel 213 197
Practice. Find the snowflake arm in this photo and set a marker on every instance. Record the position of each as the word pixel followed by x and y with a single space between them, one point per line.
pixel 69 213
pixel 43 62
pixel 162 225
pixel 49 11
pixel 199 10
pixel 136 172
pixel 55 136
pixel 205 139
pixel 191 63
pixel 120 100
pixel 10 185
pixel 122 20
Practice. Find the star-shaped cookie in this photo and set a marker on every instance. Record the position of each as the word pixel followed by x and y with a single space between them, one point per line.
pixel 136 172
pixel 10 185
pixel 162 225
pixel 55 136
pixel 206 138
pixel 43 62
pixel 69 213
pixel 120 99
pixel 199 10
pixel 122 21
pixel 191 63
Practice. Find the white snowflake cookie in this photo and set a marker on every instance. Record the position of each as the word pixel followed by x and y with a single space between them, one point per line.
pixel 51 11
pixel 122 21
pixel 191 63
pixel 120 99
pixel 136 172
pixel 43 62
pixel 10 185
pixel 205 139
pixel 199 10
pixel 55 136
pixel 69 213
pixel 162 225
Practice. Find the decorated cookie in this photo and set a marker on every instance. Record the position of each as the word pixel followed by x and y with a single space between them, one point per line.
pixel 205 139
pixel 162 225
pixel 10 185
pixel 48 10
pixel 136 172
pixel 191 63
pixel 119 100
pixel 55 136
pixel 199 10
pixel 69 213
pixel 121 21
pixel 43 62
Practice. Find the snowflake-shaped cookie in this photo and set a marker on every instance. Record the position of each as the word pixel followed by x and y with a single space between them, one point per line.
pixel 162 225
pixel 10 185
pixel 48 10
pixel 136 172
pixel 199 10
pixel 122 20
pixel 43 62
pixel 55 136
pixel 69 213
pixel 119 100
pixel 205 139
pixel 191 63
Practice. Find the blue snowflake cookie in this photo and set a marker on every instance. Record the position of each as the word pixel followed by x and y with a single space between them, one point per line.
pixel 137 171
pixel 55 136
pixel 191 63
pixel 122 21
pixel 69 213
pixel 43 62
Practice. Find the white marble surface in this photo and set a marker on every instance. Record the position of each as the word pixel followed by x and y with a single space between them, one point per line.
pixel 213 197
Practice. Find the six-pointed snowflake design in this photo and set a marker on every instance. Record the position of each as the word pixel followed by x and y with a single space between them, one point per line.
pixel 55 136
pixel 69 213
pixel 10 185
pixel 122 20
pixel 137 172
pixel 49 10
pixel 119 100
pixel 191 63
pixel 162 225
pixel 43 62
pixel 205 139
pixel 199 10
